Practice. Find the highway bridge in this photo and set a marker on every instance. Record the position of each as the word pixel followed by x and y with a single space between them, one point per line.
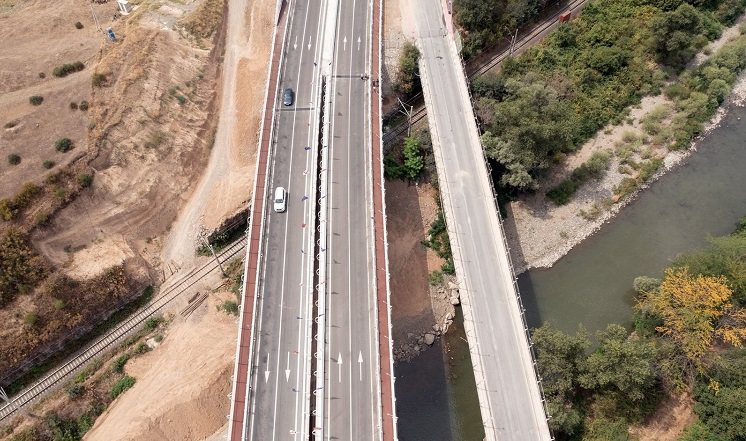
pixel 508 386
pixel 314 351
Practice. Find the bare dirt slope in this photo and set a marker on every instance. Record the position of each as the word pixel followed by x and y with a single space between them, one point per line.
pixel 150 118
pixel 182 386
pixel 199 410
pixel 227 184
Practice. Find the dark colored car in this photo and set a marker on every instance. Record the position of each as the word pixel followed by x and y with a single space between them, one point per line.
pixel 288 97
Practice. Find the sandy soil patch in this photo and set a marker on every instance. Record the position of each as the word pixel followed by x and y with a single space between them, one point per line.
pixel 204 345
pixel 668 421
pixel 416 305
pixel 105 253
pixel 182 385
pixel 35 128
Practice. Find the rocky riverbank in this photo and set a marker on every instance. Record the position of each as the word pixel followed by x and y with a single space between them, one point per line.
pixel 540 232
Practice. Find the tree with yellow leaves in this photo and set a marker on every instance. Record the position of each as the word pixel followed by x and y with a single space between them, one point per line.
pixel 695 310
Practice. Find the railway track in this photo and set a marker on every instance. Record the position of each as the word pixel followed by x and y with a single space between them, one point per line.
pixel 523 41
pixel 120 332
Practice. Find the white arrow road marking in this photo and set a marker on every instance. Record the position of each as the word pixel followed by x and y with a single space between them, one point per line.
pixel 358 43
pixel 266 373
pixel 339 363
pixel 295 45
pixel 360 363
pixel 344 46
pixel 309 43
pixel 287 371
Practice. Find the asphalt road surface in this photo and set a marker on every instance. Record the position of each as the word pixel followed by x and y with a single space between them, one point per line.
pixel 352 396
pixel 279 406
pixel 280 398
pixel 508 393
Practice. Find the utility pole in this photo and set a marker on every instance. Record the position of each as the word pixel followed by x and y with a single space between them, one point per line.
pixel 203 236
pixel 4 397
pixel 95 18
pixel 513 41
pixel 409 116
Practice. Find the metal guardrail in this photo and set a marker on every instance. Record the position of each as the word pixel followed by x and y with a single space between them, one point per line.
pixel 321 288
pixel 120 332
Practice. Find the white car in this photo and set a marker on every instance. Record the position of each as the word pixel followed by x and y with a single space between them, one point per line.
pixel 281 199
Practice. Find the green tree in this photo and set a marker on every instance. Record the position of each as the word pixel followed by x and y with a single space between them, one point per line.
pixel 558 357
pixel 528 127
pixel 698 431
pixel 723 411
pixel 620 364
pixel 725 256
pixel 674 32
pixel 20 266
pixel 413 161
pixel 408 79
pixel 695 309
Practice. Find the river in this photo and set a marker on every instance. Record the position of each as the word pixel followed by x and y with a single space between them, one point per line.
pixel 592 285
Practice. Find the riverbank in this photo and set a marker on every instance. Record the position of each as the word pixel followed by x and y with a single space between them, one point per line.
pixel 540 232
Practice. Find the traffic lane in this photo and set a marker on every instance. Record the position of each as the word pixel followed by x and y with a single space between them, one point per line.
pixel 292 130
pixel 351 93
pixel 284 296
pixel 353 39
pixel 338 345
pixel 338 403
pixel 349 334
pixel 301 52
pixel 364 323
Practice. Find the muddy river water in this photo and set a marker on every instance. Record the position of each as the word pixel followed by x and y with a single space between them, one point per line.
pixel 592 285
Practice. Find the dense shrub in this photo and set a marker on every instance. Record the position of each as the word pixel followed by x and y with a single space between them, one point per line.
pixel 548 101
pixel 73 105
pixel 36 100
pixel 64 145
pixel 98 79
pixel 485 21
pixel 85 179
pixel 392 168
pixel 230 307
pixel 83 105
pixel 594 168
pixel 20 266
pixel 78 25
pixel 14 159
pixel 75 390
pixel 122 385
pixel 408 78
pixel 152 323
pixel 67 69
pixel 118 365
pixel 413 161
pixel 48 164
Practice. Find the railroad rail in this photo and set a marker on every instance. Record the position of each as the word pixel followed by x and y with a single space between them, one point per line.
pixel 121 331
